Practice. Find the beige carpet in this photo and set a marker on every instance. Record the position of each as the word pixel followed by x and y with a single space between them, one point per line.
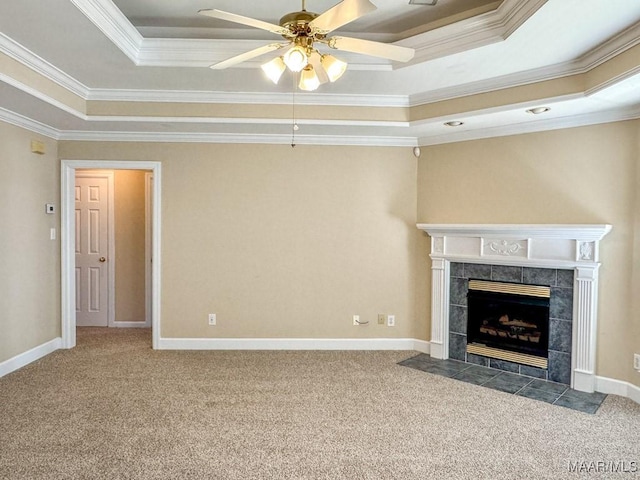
pixel 113 408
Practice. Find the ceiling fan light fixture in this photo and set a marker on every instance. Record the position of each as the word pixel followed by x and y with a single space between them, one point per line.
pixel 274 69
pixel 334 67
pixel 301 30
pixel 296 58
pixel 309 80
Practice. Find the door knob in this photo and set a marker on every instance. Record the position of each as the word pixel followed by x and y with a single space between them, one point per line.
pixel 102 260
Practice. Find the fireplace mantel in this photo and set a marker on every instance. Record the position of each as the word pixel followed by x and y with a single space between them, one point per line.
pixel 548 246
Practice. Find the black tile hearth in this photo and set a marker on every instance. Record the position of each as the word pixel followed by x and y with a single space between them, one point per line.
pixel 508 382
pixel 517 384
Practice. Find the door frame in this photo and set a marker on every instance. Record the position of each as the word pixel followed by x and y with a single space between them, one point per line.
pixel 111 238
pixel 148 244
pixel 67 239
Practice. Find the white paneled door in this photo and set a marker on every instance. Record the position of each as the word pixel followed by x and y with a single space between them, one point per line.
pixel 92 249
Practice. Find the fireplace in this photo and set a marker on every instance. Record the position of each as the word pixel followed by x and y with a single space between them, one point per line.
pixel 508 321
pixel 501 289
pixel 494 250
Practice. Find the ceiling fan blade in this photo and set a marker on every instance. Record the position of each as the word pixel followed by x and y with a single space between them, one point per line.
pixel 341 14
pixel 251 22
pixel 256 52
pixel 375 49
pixel 315 61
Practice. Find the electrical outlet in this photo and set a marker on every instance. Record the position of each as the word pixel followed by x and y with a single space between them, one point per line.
pixel 212 319
pixel 636 361
pixel 381 317
pixel 391 320
pixel 356 320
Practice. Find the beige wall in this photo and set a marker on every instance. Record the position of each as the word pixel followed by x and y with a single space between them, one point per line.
pixel 635 286
pixel 129 213
pixel 29 260
pixel 282 242
pixel 580 175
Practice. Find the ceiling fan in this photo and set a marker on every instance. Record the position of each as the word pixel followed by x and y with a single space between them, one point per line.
pixel 302 31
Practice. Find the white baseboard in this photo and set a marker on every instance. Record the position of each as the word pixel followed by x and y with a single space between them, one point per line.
pixel 29 356
pixel 422 346
pixel 130 325
pixel 634 393
pixel 618 387
pixel 293 344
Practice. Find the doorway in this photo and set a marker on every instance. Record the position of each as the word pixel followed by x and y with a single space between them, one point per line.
pixel 68 239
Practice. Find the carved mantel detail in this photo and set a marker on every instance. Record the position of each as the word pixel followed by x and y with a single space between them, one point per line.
pixel 586 250
pixel 574 247
pixel 505 247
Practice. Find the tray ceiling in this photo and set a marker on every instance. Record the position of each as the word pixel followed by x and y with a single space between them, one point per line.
pixel 137 70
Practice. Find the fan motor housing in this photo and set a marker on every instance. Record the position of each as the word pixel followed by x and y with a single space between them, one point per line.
pixel 298 22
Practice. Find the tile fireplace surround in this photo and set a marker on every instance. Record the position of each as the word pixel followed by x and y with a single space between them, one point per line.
pixel 568 247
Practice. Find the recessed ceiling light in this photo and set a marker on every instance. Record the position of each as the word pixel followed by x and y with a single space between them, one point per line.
pixel 454 123
pixel 538 110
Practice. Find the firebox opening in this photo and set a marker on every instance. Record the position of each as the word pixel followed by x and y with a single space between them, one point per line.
pixel 509 321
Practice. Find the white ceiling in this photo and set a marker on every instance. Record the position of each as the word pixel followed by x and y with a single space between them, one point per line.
pixel 159 50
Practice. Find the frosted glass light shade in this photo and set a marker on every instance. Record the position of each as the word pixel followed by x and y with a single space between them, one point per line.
pixel 308 79
pixel 334 67
pixel 274 69
pixel 296 59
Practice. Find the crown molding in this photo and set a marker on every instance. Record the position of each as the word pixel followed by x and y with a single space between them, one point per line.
pixel 277 139
pixel 260 98
pixel 110 19
pixel 41 96
pixel 356 140
pixel 28 124
pixel 618 44
pixel 112 22
pixel 519 79
pixel 592 59
pixel 608 116
pixel 485 29
pixel 26 57
pixel 202 53
pixel 250 121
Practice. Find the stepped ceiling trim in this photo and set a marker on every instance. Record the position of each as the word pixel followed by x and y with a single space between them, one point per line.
pixel 30 60
pixel 491 27
pixel 112 22
pixel 532 127
pixel 28 124
pixel 274 139
pixel 486 28
pixel 109 19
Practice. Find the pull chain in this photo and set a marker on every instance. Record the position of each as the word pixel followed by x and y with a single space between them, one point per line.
pixel 294 126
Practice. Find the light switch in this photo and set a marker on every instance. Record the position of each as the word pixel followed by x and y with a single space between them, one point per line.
pixel 52 233
pixel 50 208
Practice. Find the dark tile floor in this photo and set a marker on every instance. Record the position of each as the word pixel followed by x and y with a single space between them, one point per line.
pixel 550 392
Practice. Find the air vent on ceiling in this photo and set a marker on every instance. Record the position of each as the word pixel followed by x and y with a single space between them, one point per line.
pixel 423 2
